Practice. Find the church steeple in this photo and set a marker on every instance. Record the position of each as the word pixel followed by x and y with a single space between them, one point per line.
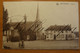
pixel 37 14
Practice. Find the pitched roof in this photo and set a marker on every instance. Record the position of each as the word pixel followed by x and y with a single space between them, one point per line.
pixel 27 25
pixel 59 28
pixel 22 24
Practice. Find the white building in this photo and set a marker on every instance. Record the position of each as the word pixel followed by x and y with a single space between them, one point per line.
pixel 58 32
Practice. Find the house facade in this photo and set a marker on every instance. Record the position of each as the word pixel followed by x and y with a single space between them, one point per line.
pixel 58 32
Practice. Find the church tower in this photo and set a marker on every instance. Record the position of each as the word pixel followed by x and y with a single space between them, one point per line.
pixel 37 14
pixel 38 24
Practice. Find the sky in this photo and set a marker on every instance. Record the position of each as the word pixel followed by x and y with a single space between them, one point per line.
pixel 52 13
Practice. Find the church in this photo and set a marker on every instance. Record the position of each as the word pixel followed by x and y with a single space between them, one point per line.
pixel 26 30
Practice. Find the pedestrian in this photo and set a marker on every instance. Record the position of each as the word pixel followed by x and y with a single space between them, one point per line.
pixel 22 44
pixel 19 44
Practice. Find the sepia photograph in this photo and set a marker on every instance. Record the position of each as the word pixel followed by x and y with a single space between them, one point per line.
pixel 40 25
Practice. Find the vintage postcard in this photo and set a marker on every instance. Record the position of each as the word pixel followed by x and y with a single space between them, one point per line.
pixel 40 25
